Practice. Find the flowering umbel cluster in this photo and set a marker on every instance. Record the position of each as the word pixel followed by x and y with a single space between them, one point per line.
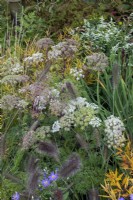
pixel 114 128
pixel 78 113
pixel 10 102
pixel 77 73
pixel 35 58
pixel 11 66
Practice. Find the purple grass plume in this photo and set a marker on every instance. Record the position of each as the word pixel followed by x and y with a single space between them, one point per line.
pixel 48 148
pixel 32 164
pixel 82 142
pixel 71 166
pixel 58 194
pixel 33 182
pixel 71 89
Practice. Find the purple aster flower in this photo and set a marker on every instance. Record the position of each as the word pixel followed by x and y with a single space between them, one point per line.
pixel 45 183
pixel 16 196
pixel 131 196
pixel 121 198
pixel 53 176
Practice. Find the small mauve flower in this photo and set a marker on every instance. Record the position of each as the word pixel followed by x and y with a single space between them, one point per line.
pixel 53 176
pixel 16 196
pixel 131 196
pixel 121 198
pixel 45 183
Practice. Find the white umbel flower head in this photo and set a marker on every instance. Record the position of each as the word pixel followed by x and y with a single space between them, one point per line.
pixel 114 128
pixel 95 122
pixel 77 73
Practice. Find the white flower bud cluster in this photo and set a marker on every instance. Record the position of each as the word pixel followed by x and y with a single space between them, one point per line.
pixel 114 128
pixel 67 121
pixel 80 102
pixel 41 132
pixel 17 68
pixel 77 73
pixel 95 122
pixel 35 58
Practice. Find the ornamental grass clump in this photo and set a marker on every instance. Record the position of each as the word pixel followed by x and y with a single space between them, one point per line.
pixel 114 129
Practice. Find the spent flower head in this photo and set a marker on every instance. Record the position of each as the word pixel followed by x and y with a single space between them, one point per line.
pixel 44 43
pixel 97 62
pixel 65 49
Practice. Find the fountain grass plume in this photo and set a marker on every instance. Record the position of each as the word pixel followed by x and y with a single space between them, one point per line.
pixel 71 166
pixel 48 148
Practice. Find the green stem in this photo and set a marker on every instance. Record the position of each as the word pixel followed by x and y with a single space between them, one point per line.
pixel 98 99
